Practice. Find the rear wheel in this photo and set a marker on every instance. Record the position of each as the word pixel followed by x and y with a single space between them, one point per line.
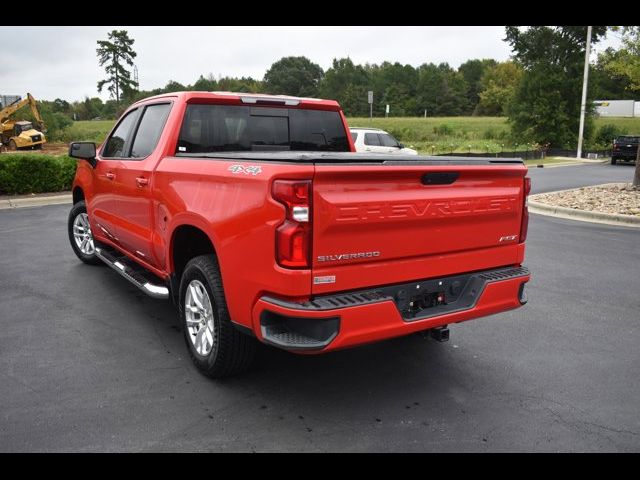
pixel 80 234
pixel 216 347
pixel 12 145
pixel 614 160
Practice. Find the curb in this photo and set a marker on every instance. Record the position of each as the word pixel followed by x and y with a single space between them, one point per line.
pixel 567 164
pixel 35 201
pixel 581 215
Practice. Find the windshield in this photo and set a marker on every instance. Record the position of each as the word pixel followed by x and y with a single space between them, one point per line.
pixel 232 128
pixel 24 127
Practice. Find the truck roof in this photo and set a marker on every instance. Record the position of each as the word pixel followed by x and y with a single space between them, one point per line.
pixel 250 98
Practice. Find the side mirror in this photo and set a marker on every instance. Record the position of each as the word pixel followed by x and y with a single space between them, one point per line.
pixel 84 151
pixel 400 145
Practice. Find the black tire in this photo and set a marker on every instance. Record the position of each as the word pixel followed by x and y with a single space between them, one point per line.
pixel 38 147
pixel 614 160
pixel 232 351
pixel 12 146
pixel 76 210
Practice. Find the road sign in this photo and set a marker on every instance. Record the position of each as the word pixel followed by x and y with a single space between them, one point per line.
pixel 370 96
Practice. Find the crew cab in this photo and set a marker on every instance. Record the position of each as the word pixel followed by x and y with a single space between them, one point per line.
pixel 257 218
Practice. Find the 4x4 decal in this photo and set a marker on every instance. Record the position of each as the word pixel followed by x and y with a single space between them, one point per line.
pixel 249 170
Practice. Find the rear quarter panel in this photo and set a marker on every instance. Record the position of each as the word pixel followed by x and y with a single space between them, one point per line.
pixel 237 212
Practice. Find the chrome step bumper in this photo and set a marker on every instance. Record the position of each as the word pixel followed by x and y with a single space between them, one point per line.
pixel 136 274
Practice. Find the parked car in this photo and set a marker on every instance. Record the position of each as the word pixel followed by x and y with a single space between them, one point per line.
pixel 625 147
pixel 375 140
pixel 253 214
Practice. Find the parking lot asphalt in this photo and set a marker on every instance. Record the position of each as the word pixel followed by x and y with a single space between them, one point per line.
pixel 89 363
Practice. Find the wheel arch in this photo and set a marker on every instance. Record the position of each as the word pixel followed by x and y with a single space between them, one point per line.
pixel 78 194
pixel 188 241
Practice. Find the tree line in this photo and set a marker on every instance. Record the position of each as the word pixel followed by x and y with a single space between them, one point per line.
pixel 539 88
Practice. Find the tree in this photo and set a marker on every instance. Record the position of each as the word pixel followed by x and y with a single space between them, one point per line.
pixel 114 54
pixel 607 86
pixel 393 84
pixel 626 63
pixel 208 84
pixel 546 105
pixel 498 87
pixel 441 90
pixel 348 84
pixel 472 72
pixel 293 76
pixel 173 86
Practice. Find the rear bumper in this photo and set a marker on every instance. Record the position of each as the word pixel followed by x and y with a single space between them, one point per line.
pixel 333 322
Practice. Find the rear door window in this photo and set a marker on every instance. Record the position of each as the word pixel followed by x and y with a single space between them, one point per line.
pixel 371 139
pixel 232 128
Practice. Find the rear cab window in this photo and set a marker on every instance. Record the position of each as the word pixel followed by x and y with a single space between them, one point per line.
pixel 209 128
pixel 627 139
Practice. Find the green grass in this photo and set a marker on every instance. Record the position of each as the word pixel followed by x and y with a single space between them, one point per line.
pixel 87 131
pixel 428 135
pixel 629 125
pixel 433 135
pixel 549 161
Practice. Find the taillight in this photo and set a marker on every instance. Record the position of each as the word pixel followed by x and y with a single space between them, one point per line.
pixel 293 237
pixel 524 226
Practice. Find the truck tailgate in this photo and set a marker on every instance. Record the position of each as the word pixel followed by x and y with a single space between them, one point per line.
pixel 388 223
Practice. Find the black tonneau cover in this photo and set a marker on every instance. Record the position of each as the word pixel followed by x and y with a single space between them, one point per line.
pixel 351 158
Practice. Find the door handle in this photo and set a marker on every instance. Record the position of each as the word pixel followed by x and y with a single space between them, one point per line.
pixel 110 175
pixel 141 181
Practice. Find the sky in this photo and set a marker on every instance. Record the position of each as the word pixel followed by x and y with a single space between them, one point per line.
pixel 61 62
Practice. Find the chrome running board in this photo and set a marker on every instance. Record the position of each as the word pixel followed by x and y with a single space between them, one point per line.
pixel 136 274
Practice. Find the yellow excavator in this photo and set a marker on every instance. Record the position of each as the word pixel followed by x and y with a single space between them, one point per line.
pixel 21 134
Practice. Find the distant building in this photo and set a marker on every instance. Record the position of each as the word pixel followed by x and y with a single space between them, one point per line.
pixel 617 108
pixel 6 100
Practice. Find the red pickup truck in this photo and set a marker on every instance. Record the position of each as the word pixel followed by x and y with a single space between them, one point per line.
pixel 254 214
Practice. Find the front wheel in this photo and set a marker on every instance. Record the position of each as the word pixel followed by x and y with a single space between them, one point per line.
pixel 614 160
pixel 80 234
pixel 217 348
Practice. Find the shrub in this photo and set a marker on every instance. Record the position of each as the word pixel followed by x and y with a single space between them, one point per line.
pixel 35 173
pixel 443 129
pixel 490 133
pixel 606 134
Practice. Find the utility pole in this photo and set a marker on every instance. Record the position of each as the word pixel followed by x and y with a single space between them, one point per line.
pixel 585 82
pixel 135 76
pixel 115 61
